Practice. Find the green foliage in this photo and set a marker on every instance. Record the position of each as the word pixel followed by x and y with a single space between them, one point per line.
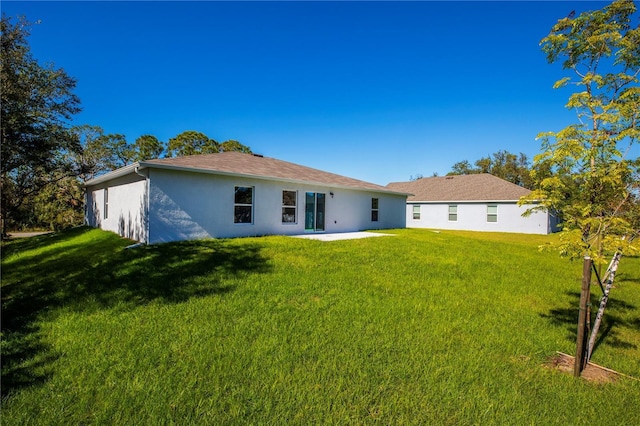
pixel 191 143
pixel 147 147
pixel 92 159
pixel 60 205
pixel 583 171
pixel 233 145
pixel 463 168
pixel 37 104
pixel 101 152
pixel 119 152
pixel 418 328
pixel 503 164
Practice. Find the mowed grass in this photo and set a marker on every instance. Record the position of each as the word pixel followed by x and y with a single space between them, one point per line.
pixel 419 328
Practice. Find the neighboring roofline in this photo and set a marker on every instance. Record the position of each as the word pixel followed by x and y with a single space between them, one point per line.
pixel 143 165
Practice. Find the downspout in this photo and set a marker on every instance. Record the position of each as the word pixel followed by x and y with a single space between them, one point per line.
pixel 146 203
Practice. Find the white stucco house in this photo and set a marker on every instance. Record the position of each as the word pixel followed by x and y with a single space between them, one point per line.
pixel 232 194
pixel 476 202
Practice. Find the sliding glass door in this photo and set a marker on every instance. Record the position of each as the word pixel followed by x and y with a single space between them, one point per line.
pixel 314 211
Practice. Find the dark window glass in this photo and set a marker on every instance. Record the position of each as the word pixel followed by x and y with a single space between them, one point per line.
pixel 374 209
pixel 289 198
pixel 244 195
pixel 243 206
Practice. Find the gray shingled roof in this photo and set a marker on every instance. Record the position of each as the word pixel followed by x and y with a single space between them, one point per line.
pixel 476 187
pixel 249 165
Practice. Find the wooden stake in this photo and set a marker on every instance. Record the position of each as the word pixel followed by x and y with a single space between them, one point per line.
pixel 585 295
pixel 611 274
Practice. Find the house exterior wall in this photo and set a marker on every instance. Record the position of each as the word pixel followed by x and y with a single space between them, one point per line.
pixel 125 206
pixel 185 205
pixel 472 216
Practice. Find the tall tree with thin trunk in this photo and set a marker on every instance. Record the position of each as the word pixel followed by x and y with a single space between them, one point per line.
pixel 588 176
pixel 584 171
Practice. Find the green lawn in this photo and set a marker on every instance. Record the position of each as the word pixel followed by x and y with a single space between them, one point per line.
pixel 420 328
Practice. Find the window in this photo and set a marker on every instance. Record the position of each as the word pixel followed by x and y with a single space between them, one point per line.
pixel 416 212
pixel 243 205
pixel 492 213
pixel 374 209
pixel 289 206
pixel 106 203
pixel 453 213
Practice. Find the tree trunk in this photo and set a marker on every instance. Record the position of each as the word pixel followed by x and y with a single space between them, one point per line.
pixel 585 294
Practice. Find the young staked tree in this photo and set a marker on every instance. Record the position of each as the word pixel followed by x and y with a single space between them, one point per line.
pixel 589 178
pixel 586 172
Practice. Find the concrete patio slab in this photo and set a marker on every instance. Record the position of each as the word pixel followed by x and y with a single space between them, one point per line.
pixel 342 236
pixel 28 234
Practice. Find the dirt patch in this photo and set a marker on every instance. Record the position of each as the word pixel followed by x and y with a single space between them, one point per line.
pixel 592 373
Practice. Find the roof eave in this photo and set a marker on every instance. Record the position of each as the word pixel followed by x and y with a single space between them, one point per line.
pixel 122 171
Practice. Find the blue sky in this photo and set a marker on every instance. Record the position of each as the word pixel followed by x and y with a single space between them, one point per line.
pixel 372 90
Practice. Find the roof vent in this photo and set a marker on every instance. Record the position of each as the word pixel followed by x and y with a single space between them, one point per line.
pixel 258 155
pixel 448 177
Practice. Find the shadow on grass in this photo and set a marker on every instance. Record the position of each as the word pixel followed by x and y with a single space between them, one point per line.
pixel 88 270
pixel 618 314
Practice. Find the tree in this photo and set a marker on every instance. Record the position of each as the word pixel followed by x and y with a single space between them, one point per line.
pixel 191 143
pixel 90 161
pixel 119 152
pixel 60 205
pixel 483 165
pixel 37 105
pixel 102 153
pixel 503 164
pixel 147 147
pixel 462 168
pixel 583 171
pixel 233 145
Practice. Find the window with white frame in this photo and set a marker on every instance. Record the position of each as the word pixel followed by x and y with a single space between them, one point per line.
pixel 416 212
pixel 289 206
pixel 374 209
pixel 492 213
pixel 243 204
pixel 106 203
pixel 453 213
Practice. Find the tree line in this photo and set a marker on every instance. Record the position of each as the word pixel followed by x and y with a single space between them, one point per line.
pixel 514 168
pixel 44 158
